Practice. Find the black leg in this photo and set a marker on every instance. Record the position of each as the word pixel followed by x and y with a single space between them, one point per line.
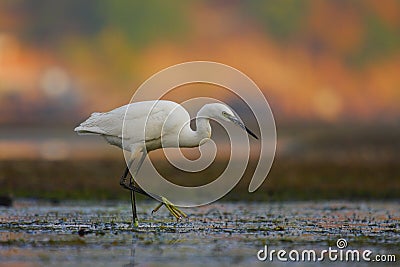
pixel 133 205
pixel 134 213
pixel 124 183
pixel 131 183
pixel 131 187
pixel 139 190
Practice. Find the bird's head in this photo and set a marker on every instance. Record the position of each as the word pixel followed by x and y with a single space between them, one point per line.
pixel 223 112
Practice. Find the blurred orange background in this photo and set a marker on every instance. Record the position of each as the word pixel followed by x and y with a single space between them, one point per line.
pixel 329 62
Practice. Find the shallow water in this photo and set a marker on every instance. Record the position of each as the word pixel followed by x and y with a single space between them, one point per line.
pixel 36 233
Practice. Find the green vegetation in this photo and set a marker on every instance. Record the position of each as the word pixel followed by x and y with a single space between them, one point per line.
pixel 380 40
pixel 282 19
pixel 49 23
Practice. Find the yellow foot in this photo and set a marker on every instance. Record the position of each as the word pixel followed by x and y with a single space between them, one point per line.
pixel 157 208
pixel 177 213
pixel 136 223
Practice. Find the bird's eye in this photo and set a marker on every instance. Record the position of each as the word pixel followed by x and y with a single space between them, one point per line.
pixel 224 114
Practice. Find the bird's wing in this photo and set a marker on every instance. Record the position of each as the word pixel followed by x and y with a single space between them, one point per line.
pixel 144 121
pixel 151 114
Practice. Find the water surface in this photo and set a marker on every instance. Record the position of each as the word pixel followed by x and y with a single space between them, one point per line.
pixel 34 233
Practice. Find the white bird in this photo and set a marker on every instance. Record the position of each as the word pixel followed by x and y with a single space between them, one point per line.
pixel 149 125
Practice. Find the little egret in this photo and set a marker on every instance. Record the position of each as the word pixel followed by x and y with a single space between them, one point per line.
pixel 150 125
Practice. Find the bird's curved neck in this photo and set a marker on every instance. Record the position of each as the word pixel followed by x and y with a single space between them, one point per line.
pixel 203 127
pixel 191 138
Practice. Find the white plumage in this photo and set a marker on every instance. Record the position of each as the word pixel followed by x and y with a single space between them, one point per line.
pixel 149 125
pixel 150 122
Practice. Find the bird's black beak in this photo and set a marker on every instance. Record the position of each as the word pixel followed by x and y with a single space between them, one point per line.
pixel 241 125
pixel 250 132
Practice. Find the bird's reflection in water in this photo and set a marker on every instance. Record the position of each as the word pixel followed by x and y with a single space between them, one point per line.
pixel 133 252
pixel 152 241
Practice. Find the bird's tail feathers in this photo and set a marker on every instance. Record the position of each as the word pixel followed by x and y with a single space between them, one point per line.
pixel 86 131
pixel 89 126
